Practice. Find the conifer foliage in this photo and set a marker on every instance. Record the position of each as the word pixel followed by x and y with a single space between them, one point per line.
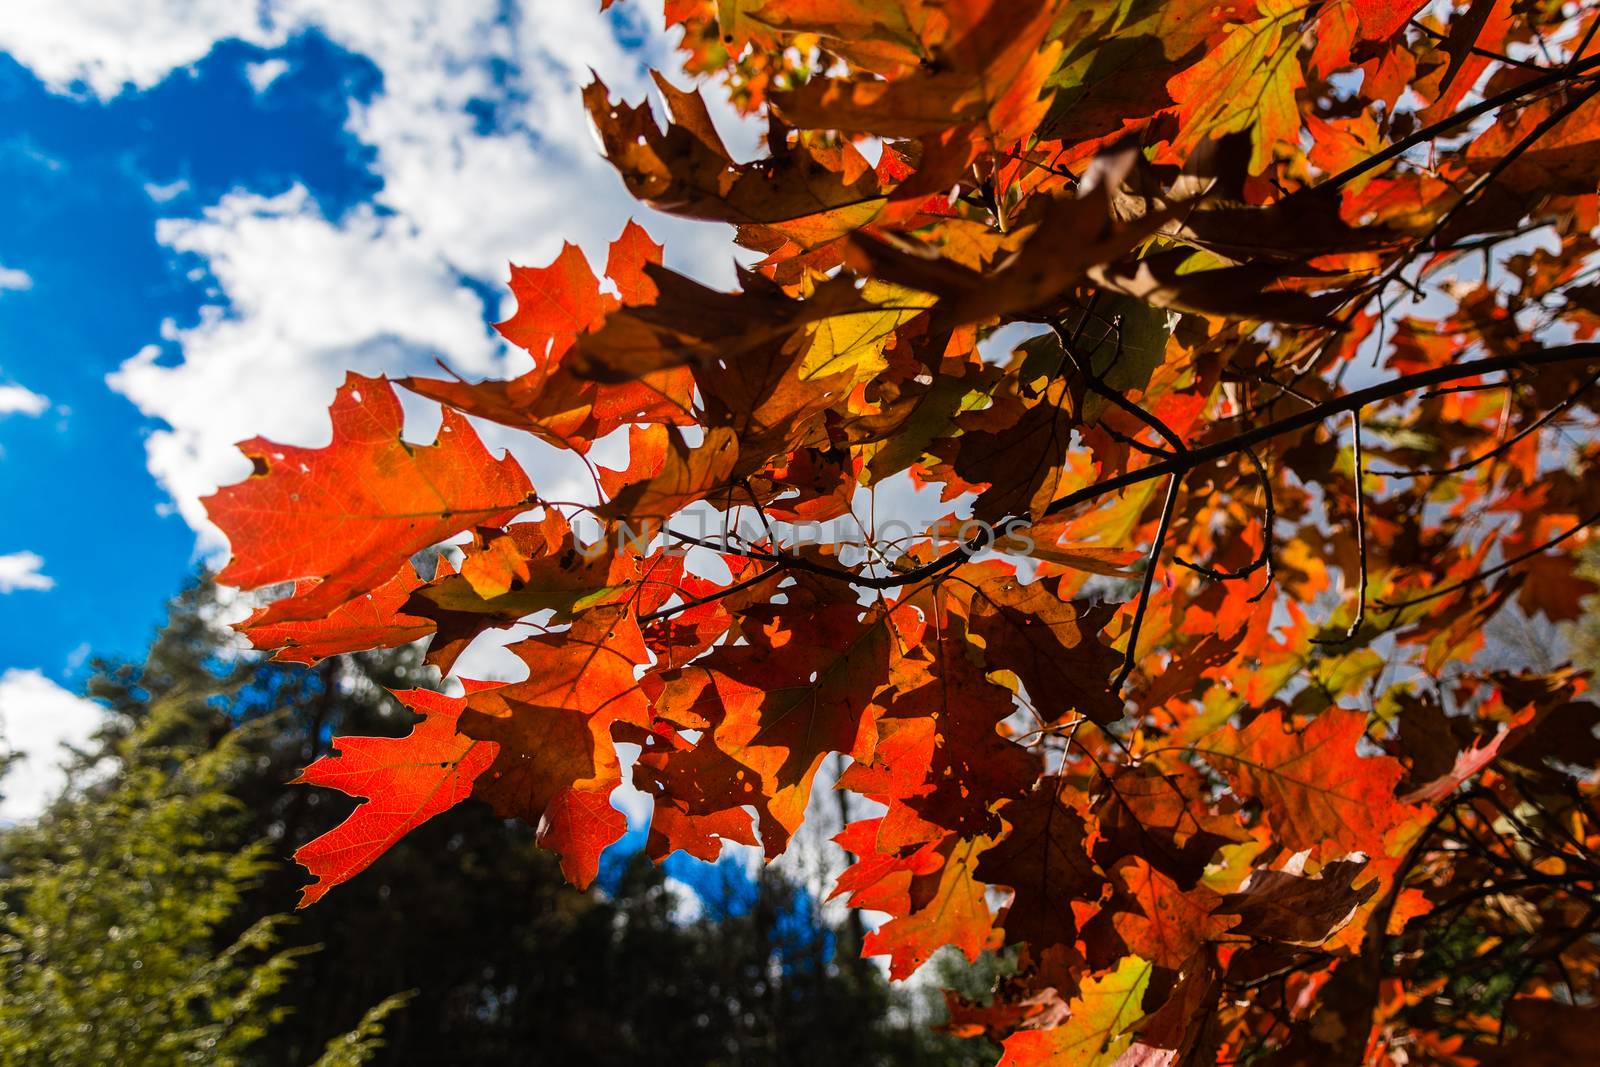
pixel 1186 705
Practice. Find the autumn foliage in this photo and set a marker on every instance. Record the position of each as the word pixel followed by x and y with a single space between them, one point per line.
pixel 1188 705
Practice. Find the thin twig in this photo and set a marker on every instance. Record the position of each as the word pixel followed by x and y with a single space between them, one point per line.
pixel 1361 527
pixel 1583 45
pixel 1467 464
pixel 953 558
pixel 739 586
pixel 1498 57
pixel 1490 572
pixel 1300 420
pixel 1472 387
pixel 1116 398
pixel 1131 655
pixel 1516 152
pixel 760 511
pixel 1196 457
pixel 1133 442
pixel 1570 937
pixel 1444 125
pixel 1269 518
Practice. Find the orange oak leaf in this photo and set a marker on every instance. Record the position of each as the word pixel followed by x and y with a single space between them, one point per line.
pixel 556 304
pixel 1382 19
pixel 1162 815
pixel 881 880
pixel 940 749
pixel 405 782
pixel 1057 244
pixel 1468 763
pixel 946 907
pixel 1316 790
pixel 1171 922
pixel 522 569
pixel 376 619
pixel 702 836
pixel 1021 467
pixel 1098 1028
pixel 679 476
pixel 1482 28
pixel 625 264
pixel 991 75
pixel 686 170
pixel 773 708
pixel 346 516
pixel 556 764
pixel 1246 84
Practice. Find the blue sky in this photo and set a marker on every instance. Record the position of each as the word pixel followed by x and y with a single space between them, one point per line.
pixel 209 212
pixel 82 184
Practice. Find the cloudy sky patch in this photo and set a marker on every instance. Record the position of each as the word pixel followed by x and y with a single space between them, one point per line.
pixel 37 717
pixel 23 570
pixel 14 280
pixel 20 400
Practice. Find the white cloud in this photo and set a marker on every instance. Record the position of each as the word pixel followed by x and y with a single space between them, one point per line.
pixel 261 75
pixel 38 717
pixel 14 280
pixel 163 193
pixel 385 288
pixel 19 400
pixel 23 570
pixel 110 44
pixel 78 656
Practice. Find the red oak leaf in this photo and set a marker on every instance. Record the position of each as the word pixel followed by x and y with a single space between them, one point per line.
pixel 1171 922
pixel 1316 790
pixel 371 620
pixel 557 764
pixel 946 907
pixel 1043 859
pixel 405 780
pixel 346 516
pixel 773 708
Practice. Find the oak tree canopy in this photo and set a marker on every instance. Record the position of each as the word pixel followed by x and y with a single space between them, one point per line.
pixel 1187 705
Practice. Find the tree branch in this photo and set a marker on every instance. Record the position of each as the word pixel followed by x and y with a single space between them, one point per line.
pixel 1193 458
pixel 1300 420
pixel 1101 388
pixel 1435 129
pixel 1490 572
pixel 1501 165
pixel 1468 464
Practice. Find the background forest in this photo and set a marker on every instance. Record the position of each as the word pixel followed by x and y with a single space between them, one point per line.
pixel 143 915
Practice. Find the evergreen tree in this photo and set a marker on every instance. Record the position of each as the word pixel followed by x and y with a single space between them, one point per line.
pixel 110 907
